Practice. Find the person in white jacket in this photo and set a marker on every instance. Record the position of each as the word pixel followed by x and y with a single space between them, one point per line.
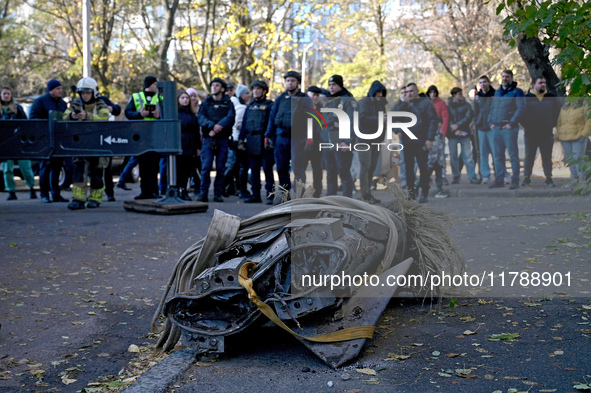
pixel 236 173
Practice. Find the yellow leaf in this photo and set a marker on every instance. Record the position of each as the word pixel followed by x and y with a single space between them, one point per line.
pixel 366 371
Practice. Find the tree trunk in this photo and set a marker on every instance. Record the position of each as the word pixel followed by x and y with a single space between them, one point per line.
pixel 169 11
pixel 537 62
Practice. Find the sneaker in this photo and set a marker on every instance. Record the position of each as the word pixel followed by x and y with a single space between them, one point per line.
pixel 441 195
pixel 111 198
pixel 485 180
pixel 92 204
pixel 474 180
pixel 549 182
pixel 423 198
pixel 456 180
pixel 11 196
pixel 202 198
pixel 514 185
pixel 59 198
pixel 33 194
pixel 122 185
pixel 76 205
pixel 253 199
pixel 508 180
pixel 526 181
pixel 45 199
pixel 245 196
pixel 144 196
pixel 217 198
pixel 496 184
pixel 269 201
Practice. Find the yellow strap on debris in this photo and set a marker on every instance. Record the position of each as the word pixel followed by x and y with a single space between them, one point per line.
pixel 365 331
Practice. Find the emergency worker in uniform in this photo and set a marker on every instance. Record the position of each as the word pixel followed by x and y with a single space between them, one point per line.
pixel 251 139
pixel 286 132
pixel 87 107
pixel 144 106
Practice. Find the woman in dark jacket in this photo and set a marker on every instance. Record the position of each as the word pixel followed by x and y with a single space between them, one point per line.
pixel 190 143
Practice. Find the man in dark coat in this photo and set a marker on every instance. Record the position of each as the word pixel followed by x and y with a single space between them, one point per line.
pixel 425 130
pixel 371 108
pixel 540 117
pixel 50 169
pixel 286 132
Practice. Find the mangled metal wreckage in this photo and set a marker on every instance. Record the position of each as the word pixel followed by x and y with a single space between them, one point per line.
pixel 245 273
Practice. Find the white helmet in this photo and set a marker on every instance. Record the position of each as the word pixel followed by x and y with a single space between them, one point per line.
pixel 87 84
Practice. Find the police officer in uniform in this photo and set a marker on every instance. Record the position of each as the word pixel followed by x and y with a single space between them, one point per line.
pixel 216 117
pixel 251 139
pixel 286 131
pixel 338 158
pixel 144 106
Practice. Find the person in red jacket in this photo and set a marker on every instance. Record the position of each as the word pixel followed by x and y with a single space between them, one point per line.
pixel 436 160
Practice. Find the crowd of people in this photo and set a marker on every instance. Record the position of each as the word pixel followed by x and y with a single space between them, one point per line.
pixel 239 131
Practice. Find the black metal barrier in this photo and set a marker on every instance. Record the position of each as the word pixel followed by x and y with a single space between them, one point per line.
pixel 42 139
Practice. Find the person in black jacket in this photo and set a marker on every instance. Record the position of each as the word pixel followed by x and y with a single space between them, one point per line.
pixel 216 117
pixel 338 158
pixel 251 139
pixel 460 117
pixel 541 116
pixel 370 109
pixel 486 145
pixel 50 169
pixel 190 143
pixel 286 132
pixel 424 130
pixel 10 110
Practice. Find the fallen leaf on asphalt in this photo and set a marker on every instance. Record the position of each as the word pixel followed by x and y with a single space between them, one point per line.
pixel 469 332
pixel 503 336
pixel 443 375
pixel 133 348
pixel 548 390
pixel 587 307
pixel 489 377
pixel 465 373
pixel 582 386
pixel 67 381
pixel 393 356
pixel 532 304
pixel 455 355
pixel 103 355
pixel 418 344
pixel 366 371
pixel 372 381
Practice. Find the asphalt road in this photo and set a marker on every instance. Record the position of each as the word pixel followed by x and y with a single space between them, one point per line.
pixel 78 288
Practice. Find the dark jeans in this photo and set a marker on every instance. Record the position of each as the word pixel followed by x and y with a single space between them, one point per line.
pixel 220 152
pixel 126 174
pixel 545 144
pixel 438 169
pixel 184 166
pixel 49 176
pixel 338 164
pixel 109 178
pixel 149 173
pixel 314 156
pixel 282 159
pixel 420 152
pixel 265 161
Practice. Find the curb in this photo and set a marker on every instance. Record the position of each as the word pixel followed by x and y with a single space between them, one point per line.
pixel 158 378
